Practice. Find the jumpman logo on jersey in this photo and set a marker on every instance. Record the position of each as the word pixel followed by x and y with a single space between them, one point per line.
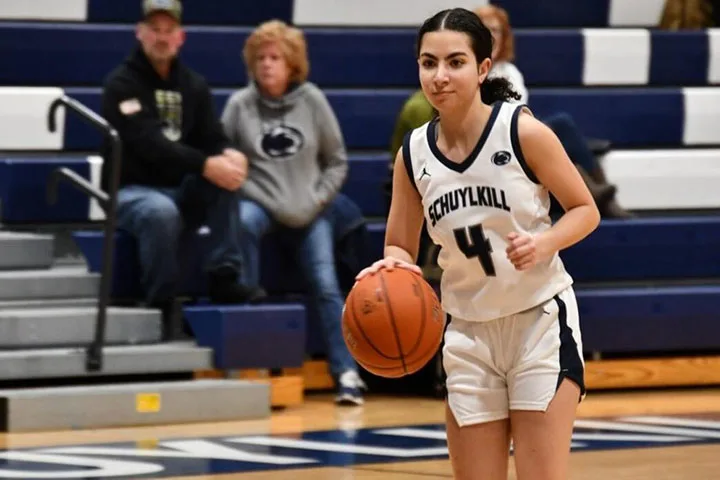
pixel 424 172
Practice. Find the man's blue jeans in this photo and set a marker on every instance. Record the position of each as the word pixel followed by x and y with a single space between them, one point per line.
pixel 156 217
pixel 316 259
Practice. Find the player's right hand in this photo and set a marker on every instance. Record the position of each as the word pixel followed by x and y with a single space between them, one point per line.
pixel 388 263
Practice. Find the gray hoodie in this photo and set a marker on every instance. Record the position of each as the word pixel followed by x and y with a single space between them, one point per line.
pixel 296 153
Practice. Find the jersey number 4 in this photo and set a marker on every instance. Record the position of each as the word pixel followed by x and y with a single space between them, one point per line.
pixel 472 242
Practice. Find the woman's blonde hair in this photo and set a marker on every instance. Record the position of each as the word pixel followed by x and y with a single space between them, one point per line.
pixel 507 52
pixel 291 41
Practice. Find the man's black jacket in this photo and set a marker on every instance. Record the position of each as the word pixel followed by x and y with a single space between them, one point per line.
pixel 168 127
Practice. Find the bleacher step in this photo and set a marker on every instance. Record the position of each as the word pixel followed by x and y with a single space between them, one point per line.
pixel 66 282
pixel 75 326
pixel 25 250
pixel 117 360
pixel 112 406
pixel 48 303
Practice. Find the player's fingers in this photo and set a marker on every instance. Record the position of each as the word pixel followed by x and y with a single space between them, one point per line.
pixel 522 251
pixel 363 273
pixel 410 266
pixel 525 263
pixel 525 266
pixel 520 241
pixel 371 269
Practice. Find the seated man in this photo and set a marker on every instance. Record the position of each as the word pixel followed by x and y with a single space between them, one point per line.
pixel 177 170
pixel 298 164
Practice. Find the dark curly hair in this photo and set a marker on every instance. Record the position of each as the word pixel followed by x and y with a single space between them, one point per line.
pixel 465 21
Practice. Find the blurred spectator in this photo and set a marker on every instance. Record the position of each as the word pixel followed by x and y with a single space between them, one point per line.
pixel 689 14
pixel 297 165
pixel 177 170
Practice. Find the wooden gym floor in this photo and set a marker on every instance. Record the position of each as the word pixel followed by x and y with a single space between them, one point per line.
pixel 656 435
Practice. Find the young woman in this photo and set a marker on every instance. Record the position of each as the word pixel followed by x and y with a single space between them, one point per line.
pixel 480 175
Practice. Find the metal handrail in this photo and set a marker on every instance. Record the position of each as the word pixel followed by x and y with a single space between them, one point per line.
pixel 107 200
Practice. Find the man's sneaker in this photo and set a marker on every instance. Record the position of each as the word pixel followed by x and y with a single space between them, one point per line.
pixel 350 389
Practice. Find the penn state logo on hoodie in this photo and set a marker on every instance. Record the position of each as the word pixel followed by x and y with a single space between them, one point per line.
pixel 281 140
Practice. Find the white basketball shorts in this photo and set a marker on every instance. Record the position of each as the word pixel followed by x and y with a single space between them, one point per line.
pixel 512 363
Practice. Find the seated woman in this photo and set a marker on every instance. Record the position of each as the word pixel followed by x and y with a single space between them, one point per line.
pixel 297 163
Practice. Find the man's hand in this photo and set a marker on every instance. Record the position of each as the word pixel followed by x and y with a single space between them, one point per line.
pixel 224 172
pixel 236 157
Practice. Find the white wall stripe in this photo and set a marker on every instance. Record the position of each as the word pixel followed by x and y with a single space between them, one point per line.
pixel 401 13
pixel 665 179
pixel 95 213
pixel 702 116
pixel 58 10
pixel 23 119
pixel 605 66
pixel 635 13
pixel 714 56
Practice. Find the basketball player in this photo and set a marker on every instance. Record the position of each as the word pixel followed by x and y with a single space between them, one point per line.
pixel 479 175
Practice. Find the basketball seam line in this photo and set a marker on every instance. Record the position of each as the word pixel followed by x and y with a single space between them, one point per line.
pixel 422 318
pixel 364 335
pixel 392 321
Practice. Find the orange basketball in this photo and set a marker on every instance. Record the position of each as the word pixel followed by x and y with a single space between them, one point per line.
pixel 392 323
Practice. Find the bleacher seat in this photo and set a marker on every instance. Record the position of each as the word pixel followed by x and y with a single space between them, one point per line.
pixel 558 13
pixel 83 54
pixel 615 319
pixel 638 117
pixel 647 249
pixel 642 250
pixel 23 190
pixel 24 177
pixel 596 13
pixel 239 334
pixel 647 320
pixel 207 12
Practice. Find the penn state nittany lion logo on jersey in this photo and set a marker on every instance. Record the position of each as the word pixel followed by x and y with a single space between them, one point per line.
pixel 501 158
pixel 281 141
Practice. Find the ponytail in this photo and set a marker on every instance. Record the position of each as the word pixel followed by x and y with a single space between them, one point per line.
pixel 497 89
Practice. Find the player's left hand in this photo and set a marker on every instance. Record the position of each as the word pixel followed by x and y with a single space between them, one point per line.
pixel 523 250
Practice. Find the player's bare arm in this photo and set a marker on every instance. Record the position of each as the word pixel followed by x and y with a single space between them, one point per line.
pixel 548 160
pixel 405 220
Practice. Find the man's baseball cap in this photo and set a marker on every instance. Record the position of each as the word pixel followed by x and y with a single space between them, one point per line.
pixel 171 7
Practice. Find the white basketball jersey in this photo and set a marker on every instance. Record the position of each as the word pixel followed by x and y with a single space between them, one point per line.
pixel 471 207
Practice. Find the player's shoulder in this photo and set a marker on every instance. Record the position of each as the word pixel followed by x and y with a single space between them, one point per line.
pixel 529 128
pixel 420 132
pixel 414 140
